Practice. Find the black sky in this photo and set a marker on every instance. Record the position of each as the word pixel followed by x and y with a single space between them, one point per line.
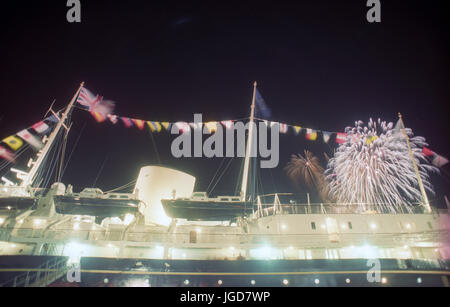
pixel 318 63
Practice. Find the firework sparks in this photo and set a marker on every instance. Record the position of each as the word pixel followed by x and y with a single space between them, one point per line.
pixel 307 169
pixel 373 167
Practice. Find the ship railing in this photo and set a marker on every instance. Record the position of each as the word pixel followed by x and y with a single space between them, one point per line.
pixel 277 205
pixel 41 276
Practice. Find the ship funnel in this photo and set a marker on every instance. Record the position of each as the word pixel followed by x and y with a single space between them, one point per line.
pixel 155 183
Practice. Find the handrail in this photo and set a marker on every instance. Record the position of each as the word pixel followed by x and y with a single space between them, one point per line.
pixel 51 270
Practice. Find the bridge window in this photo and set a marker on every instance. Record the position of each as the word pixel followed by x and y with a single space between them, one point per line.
pixel 313 225
pixel 350 226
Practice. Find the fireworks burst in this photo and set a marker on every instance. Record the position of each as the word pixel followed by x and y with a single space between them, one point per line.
pixel 373 167
pixel 308 170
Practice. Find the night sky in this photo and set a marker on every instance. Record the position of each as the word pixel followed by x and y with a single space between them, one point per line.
pixel 319 64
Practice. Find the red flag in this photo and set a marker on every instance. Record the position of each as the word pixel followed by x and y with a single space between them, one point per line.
pixel 139 123
pixel 427 152
pixel 341 138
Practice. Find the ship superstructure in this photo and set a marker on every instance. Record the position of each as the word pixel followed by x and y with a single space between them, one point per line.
pixel 128 237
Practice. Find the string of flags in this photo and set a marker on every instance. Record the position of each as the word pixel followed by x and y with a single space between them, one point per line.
pixel 31 135
pixel 158 126
pixel 102 110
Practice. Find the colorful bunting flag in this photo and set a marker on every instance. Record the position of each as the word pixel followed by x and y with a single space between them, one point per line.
pixel 13 142
pixel 40 127
pixel 427 152
pixel 326 136
pixel 166 125
pixel 341 138
pixel 86 98
pixel 311 134
pixel 139 123
pixel 437 160
pixel 154 126
pixel 127 122
pixel 30 139
pixel 112 118
pixel 371 139
pixel 95 103
pixel 53 118
pixel 283 128
pixel 297 129
pixel 99 117
pixel 6 154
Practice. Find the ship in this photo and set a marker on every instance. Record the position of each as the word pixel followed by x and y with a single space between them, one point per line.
pixel 55 237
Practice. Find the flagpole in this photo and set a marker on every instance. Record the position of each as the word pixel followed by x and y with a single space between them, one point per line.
pixel 419 179
pixel 249 146
pixel 30 177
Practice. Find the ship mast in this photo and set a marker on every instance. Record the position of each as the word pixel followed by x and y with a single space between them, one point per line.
pixel 249 147
pixel 419 179
pixel 28 180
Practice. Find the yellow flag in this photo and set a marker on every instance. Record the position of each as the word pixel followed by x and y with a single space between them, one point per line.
pixel 13 142
pixel 154 126
pixel 371 139
pixel 297 129
pixel 165 125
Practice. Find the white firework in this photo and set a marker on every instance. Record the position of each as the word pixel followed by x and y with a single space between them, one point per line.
pixel 374 167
